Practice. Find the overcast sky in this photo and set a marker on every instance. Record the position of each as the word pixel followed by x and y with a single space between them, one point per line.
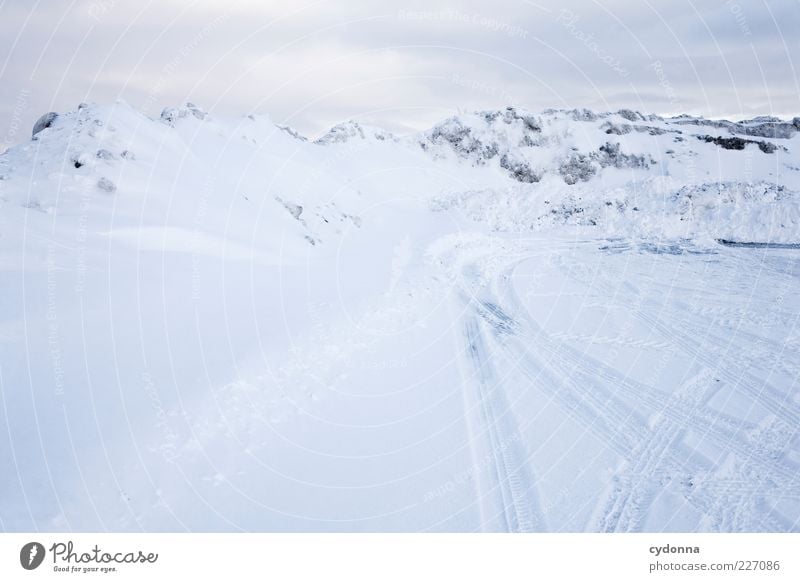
pixel 400 65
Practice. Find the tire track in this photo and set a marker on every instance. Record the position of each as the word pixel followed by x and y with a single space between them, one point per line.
pixel 761 391
pixel 653 460
pixel 515 487
pixel 680 409
pixel 589 392
pixel 628 505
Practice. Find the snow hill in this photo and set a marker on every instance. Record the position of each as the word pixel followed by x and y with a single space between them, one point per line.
pixel 512 321
pixel 621 172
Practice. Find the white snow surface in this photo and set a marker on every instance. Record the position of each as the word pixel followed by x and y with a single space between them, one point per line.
pixel 514 321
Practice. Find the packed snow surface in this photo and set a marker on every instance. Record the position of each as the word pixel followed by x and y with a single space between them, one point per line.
pixel 514 321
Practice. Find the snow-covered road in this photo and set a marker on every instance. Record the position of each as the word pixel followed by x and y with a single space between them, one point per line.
pixel 627 353
pixel 472 383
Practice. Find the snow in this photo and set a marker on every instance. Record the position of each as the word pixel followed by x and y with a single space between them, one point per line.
pixel 513 321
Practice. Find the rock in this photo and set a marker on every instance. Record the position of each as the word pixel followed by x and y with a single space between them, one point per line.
pixel 351 130
pixel 78 160
pixel 294 209
pixel 530 122
pixel 105 155
pixel 764 126
pixel 196 111
pixel 44 122
pixel 459 136
pixel 630 115
pixel 625 128
pixel 578 168
pixel 520 171
pixel 172 114
pixel 738 143
pixel 767 147
pixel 292 131
pixel 610 154
pixel 777 130
pixel 106 185
pixel 614 129
pixel 583 115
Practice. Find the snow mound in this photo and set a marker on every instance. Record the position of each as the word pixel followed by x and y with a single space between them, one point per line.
pixel 350 130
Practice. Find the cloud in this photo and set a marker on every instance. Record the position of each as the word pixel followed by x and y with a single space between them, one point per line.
pixel 314 63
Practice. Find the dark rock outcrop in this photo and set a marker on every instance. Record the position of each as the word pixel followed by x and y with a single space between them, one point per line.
pixel 738 143
pixel 44 122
